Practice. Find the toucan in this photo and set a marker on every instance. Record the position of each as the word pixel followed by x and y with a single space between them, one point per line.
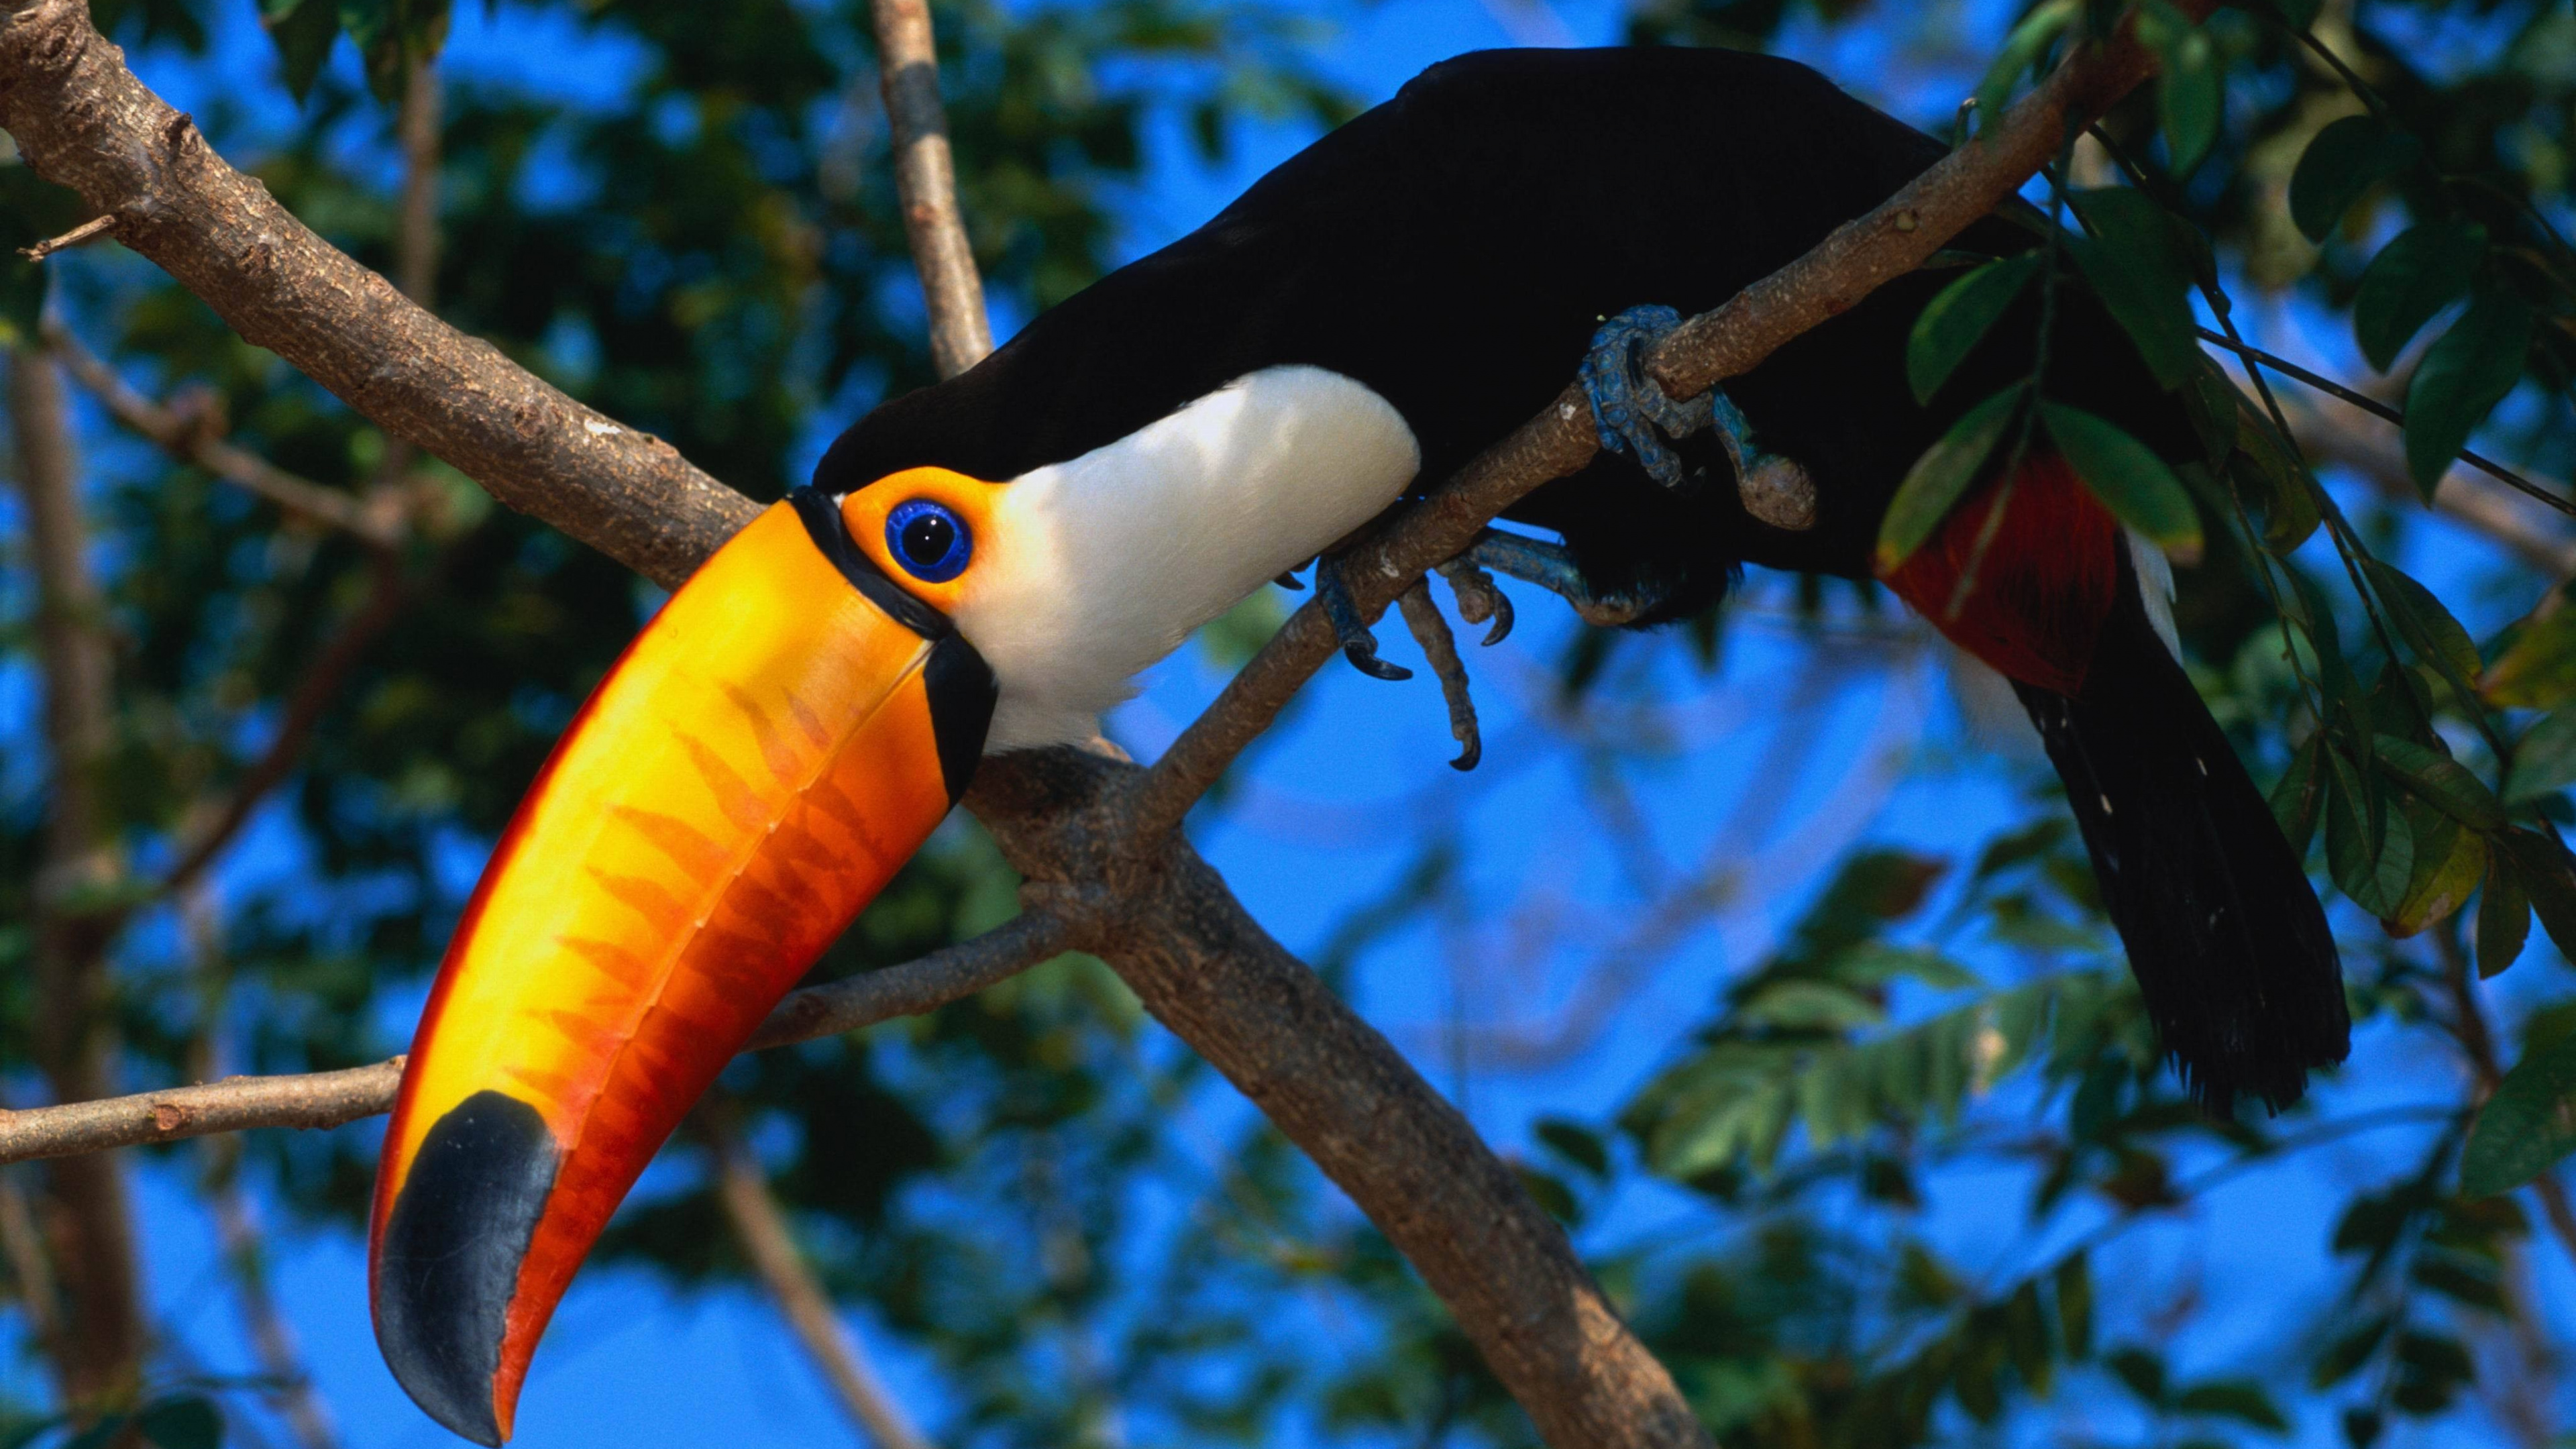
pixel 984 565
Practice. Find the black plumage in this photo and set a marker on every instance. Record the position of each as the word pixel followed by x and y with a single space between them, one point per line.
pixel 1455 249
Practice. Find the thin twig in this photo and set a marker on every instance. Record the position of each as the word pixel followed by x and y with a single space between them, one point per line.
pixel 197 437
pixel 81 235
pixel 2378 409
pixel 762 1229
pixel 329 1099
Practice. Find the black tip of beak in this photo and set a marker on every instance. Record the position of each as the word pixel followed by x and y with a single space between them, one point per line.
pixel 449 1264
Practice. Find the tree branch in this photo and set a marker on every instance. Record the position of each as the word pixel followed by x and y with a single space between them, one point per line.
pixel 329 1099
pixel 1093 837
pixel 86 1214
pixel 925 177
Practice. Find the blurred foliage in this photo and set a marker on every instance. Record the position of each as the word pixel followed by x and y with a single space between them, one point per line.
pixel 1080 1228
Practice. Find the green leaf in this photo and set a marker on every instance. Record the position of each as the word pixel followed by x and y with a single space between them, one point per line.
pixel 2127 476
pixel 2190 94
pixel 2022 50
pixel 2296 797
pixel 2240 1399
pixel 303 32
pixel 2425 269
pixel 2075 1306
pixel 2504 916
pixel 2461 379
pixel 22 300
pixel 2526 1128
pixel 2142 1372
pixel 2347 1354
pixel 189 1422
pixel 1550 1193
pixel 2428 628
pixel 2345 159
pixel 2138 263
pixel 1944 472
pixel 2212 403
pixel 2542 867
pixel 2460 1278
pixel 2265 468
pixel 2544 763
pixel 1810 1006
pixel 2450 860
pixel 2538 667
pixel 2442 781
pixel 1575 1143
pixel 1960 317
pixel 2374 873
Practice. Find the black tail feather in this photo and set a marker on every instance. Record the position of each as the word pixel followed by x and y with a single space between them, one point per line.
pixel 2223 930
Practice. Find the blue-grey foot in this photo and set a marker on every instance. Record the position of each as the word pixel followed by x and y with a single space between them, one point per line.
pixel 1478 599
pixel 1359 646
pixel 1552 568
pixel 1634 415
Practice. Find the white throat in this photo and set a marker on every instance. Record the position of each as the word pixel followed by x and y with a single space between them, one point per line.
pixel 1099 566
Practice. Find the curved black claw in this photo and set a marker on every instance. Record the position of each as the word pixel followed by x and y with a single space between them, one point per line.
pixel 1627 405
pixel 1358 645
pixel 1478 599
pixel 1290 582
pixel 1432 632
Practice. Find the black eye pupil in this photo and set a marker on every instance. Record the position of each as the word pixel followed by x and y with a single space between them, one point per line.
pixel 927 539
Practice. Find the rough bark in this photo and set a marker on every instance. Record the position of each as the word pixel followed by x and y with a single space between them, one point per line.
pixel 85 1214
pixel 925 176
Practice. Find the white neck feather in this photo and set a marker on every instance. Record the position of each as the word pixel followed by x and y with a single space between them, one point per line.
pixel 1098 567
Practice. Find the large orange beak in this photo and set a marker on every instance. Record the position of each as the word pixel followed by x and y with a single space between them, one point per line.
pixel 774 745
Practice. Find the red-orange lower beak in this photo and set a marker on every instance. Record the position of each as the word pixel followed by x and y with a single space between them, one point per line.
pixel 774 745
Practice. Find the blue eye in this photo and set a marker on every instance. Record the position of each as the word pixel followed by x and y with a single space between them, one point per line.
pixel 929 540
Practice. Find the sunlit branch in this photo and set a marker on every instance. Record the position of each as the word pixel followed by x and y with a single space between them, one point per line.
pixel 925 174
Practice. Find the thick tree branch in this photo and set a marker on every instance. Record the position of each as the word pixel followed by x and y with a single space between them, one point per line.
pixel 329 1099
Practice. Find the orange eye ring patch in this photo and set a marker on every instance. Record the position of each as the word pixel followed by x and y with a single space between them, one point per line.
pixel 923 499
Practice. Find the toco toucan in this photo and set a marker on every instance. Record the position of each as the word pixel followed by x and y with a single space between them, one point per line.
pixel 985 564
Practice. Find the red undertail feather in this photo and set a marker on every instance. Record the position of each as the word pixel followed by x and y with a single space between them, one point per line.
pixel 2044 586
